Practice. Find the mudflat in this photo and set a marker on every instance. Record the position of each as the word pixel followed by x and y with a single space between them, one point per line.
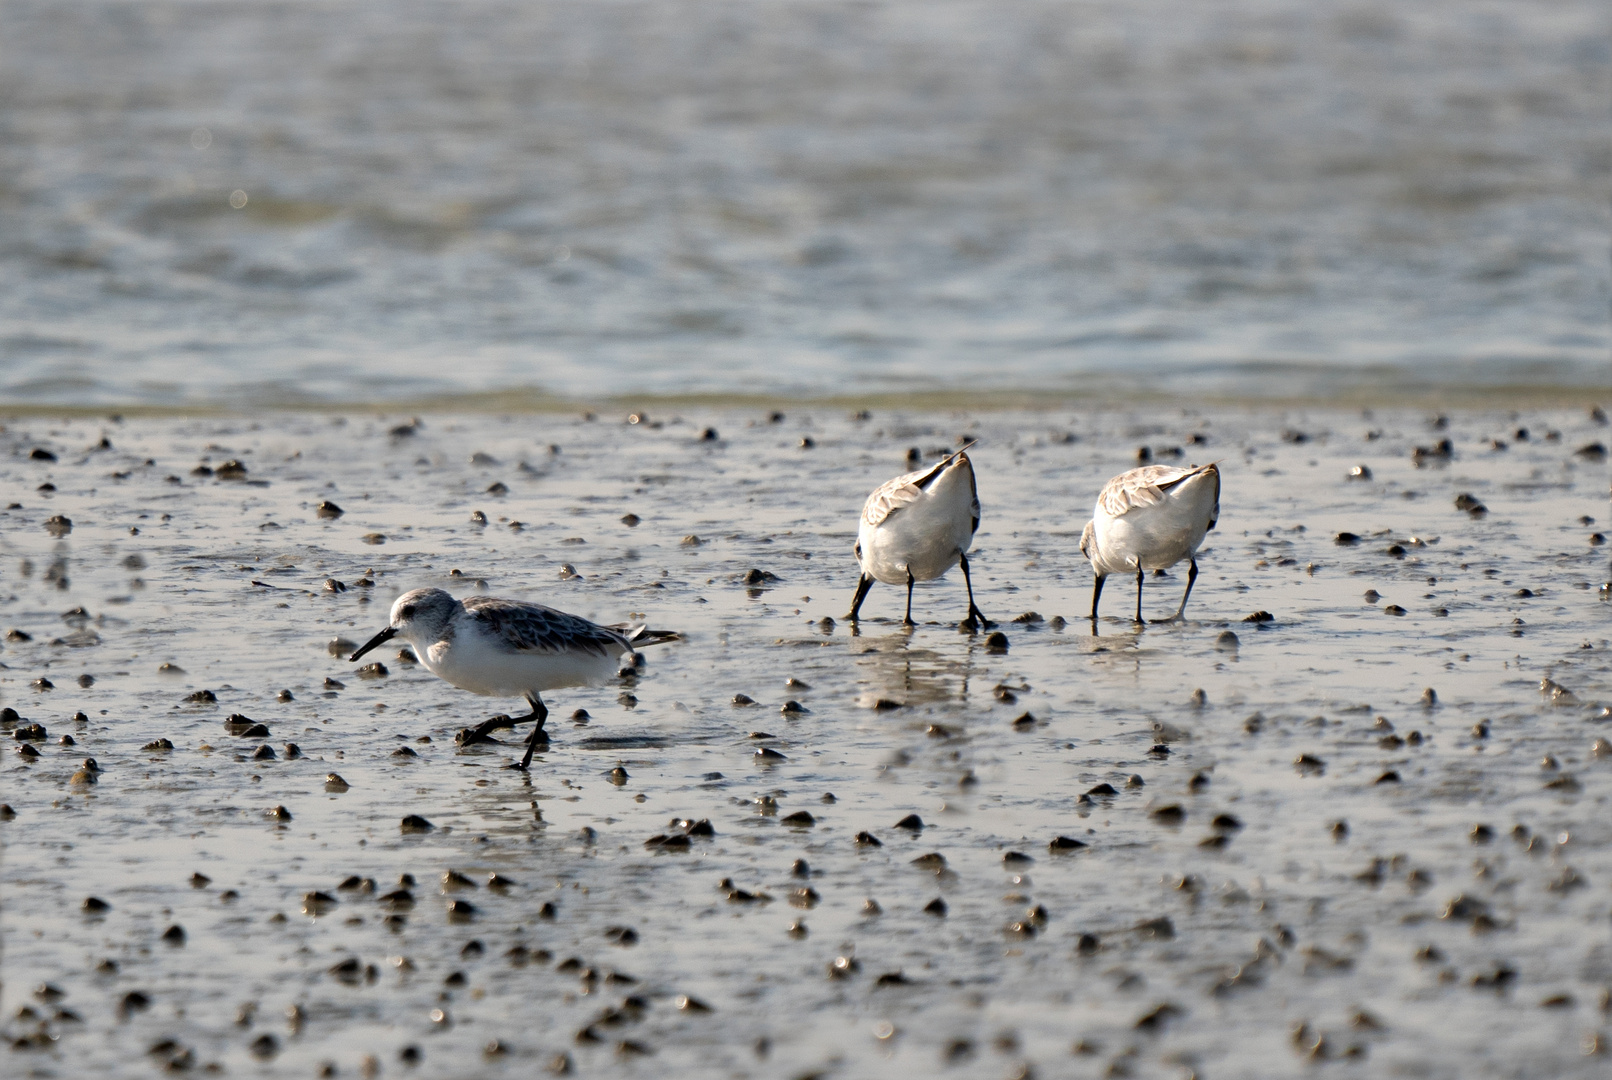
pixel 1353 809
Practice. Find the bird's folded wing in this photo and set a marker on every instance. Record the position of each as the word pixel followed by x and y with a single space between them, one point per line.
pixel 1139 487
pixel 535 628
pixel 891 497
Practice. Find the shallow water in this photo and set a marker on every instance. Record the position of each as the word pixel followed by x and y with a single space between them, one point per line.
pixel 1283 925
pixel 1259 197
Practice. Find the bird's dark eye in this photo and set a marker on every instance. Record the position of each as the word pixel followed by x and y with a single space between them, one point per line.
pixel 407 612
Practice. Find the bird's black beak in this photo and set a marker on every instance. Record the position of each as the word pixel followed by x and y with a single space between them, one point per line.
pixel 379 639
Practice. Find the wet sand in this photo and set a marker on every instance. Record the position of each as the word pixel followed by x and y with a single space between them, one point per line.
pixel 1293 878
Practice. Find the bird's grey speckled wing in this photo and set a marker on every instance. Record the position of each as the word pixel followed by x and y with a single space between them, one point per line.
pixel 534 628
pixel 1139 487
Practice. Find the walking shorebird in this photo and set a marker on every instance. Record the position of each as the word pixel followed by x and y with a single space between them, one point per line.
pixel 1150 519
pixel 509 648
pixel 917 527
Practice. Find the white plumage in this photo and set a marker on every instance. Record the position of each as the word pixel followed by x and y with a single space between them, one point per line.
pixel 918 526
pixel 509 648
pixel 1150 519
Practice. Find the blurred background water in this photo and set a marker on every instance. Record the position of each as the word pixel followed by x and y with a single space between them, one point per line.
pixel 273 203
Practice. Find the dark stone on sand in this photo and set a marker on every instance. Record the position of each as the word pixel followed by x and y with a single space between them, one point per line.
pixel 1014 858
pixel 1103 789
pixel 996 642
pixel 1154 1021
pixel 768 755
pixel 279 814
pixel 1345 539
pixel 1161 928
pixel 936 907
pixel 157 746
pixel 174 935
pixel 1065 844
pixel 414 823
pixel 800 818
pixel 203 697
pixel 95 904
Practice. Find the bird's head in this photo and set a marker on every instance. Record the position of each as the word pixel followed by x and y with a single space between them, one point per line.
pixel 417 616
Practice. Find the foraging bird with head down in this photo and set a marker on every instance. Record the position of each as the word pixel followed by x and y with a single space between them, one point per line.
pixel 918 526
pixel 510 648
pixel 1150 519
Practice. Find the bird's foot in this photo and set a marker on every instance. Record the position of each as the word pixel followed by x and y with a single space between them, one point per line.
pixel 482 732
pixel 976 620
pixel 1176 618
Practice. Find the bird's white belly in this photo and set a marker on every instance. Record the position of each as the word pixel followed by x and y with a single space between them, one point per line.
pixel 472 664
pixel 1154 542
pixel 925 538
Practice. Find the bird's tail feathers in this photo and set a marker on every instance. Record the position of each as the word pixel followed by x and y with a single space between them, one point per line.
pixel 640 635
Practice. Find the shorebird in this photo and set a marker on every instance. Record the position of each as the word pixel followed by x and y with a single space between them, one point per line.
pixel 509 648
pixel 1150 519
pixel 918 526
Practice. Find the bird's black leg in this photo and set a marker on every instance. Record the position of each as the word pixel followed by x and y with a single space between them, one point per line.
pixel 1192 576
pixel 1139 576
pixel 863 584
pixel 540 713
pixel 976 618
pixel 480 732
pixel 1096 594
pixel 906 620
